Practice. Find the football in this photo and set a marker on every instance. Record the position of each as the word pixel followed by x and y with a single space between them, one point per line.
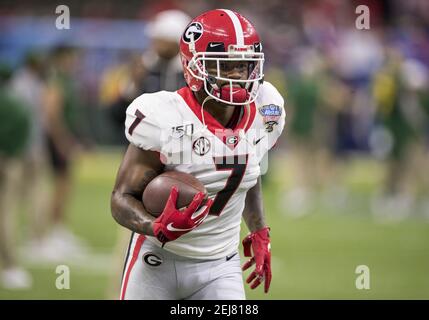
pixel 156 193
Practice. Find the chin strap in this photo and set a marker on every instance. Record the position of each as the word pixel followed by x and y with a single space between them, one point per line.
pixel 208 98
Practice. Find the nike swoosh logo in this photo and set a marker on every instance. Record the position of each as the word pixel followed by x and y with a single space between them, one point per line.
pixel 171 228
pixel 212 45
pixel 255 142
pixel 230 257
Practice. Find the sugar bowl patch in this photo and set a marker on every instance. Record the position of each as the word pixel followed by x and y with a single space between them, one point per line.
pixel 271 114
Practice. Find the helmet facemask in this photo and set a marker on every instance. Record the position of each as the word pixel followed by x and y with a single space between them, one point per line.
pixel 233 91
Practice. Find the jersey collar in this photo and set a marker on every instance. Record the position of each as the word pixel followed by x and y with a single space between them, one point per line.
pixel 212 124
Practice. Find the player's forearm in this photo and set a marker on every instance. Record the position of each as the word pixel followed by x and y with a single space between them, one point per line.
pixel 253 213
pixel 130 213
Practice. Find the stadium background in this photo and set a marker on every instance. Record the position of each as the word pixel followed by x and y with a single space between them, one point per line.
pixel 347 184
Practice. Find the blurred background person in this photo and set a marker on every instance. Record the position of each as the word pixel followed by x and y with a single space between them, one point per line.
pixel 14 135
pixel 158 68
pixel 28 85
pixel 162 60
pixel 61 109
pixel 401 121
pixel 306 135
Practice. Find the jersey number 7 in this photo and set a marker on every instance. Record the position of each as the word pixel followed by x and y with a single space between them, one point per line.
pixel 237 167
pixel 139 117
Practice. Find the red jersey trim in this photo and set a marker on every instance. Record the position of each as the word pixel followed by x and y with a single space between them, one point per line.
pixel 212 124
pixel 139 242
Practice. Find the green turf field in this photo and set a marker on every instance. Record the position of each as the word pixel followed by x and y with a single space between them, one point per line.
pixel 314 256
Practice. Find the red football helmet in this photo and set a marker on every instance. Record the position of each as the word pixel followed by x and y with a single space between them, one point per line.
pixel 218 37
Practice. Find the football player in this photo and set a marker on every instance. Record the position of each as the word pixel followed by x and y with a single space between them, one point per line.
pixel 218 128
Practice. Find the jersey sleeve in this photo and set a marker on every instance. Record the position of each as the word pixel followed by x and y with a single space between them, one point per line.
pixel 142 127
pixel 275 114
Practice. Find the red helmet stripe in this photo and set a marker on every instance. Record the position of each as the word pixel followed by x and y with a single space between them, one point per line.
pixel 237 27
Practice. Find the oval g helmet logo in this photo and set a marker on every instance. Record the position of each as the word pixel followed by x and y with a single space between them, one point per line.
pixel 196 29
pixel 152 259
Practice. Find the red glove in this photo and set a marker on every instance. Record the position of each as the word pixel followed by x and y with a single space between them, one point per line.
pixel 260 243
pixel 173 223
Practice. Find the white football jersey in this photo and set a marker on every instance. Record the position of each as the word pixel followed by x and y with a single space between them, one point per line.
pixel 226 161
